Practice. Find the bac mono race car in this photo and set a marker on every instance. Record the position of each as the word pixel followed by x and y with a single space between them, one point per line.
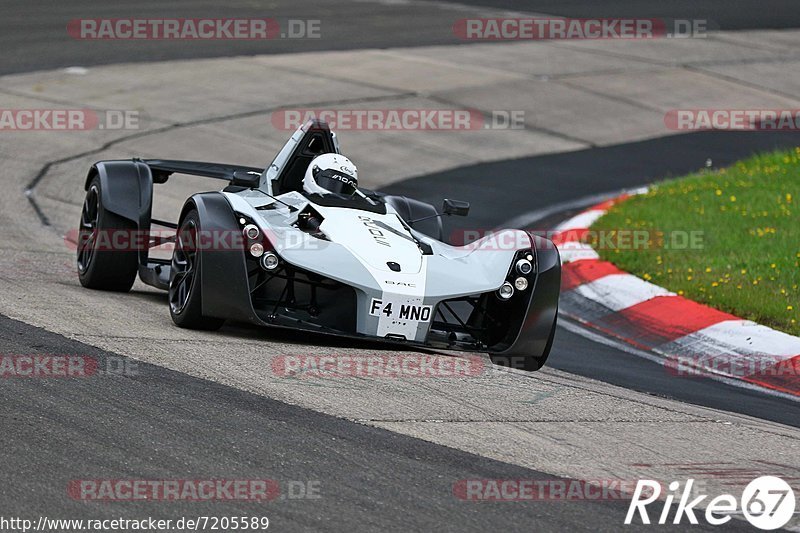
pixel 299 245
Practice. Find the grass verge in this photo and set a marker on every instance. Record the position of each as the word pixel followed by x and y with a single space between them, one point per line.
pixel 729 238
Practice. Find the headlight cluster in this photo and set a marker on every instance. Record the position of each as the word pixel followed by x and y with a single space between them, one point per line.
pixel 268 259
pixel 523 267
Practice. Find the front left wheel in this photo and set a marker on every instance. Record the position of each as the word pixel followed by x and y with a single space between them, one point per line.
pixel 185 298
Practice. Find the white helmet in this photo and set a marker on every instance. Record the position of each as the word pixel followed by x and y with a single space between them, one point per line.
pixel 331 173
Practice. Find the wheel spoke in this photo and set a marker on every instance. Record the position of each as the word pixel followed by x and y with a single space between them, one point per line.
pixel 183 269
pixel 87 233
pixel 179 277
pixel 184 291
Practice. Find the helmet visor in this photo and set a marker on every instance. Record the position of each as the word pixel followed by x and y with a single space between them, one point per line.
pixel 336 182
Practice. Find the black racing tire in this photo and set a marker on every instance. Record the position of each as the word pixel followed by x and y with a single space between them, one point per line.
pixel 543 358
pixel 528 364
pixel 185 298
pixel 105 269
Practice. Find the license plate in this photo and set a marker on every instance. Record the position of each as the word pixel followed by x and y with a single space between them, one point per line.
pixel 400 310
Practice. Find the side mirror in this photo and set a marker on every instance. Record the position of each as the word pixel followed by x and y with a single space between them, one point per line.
pixel 246 179
pixel 455 207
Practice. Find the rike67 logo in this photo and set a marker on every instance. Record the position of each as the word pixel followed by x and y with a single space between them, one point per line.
pixel 767 502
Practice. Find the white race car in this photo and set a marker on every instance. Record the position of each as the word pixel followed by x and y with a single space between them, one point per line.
pixel 298 245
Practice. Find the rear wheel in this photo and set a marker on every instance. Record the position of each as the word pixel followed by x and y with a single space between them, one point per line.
pixel 185 299
pixel 106 258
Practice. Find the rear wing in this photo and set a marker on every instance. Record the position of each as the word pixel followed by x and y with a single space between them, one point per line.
pixel 161 169
pixel 284 174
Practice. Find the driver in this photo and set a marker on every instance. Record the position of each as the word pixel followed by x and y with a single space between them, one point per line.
pixel 331 173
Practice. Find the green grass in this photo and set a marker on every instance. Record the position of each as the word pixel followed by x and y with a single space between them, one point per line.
pixel 747 255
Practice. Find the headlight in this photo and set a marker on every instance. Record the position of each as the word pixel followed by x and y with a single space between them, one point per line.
pixel 256 249
pixel 269 261
pixel 251 231
pixel 506 291
pixel 521 283
pixel 524 267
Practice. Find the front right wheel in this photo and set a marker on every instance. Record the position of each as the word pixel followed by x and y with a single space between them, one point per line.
pixel 185 298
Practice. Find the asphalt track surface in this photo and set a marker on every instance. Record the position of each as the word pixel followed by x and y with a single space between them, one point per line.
pixel 506 190
pixel 154 423
pixel 734 15
pixel 33 33
pixel 500 191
